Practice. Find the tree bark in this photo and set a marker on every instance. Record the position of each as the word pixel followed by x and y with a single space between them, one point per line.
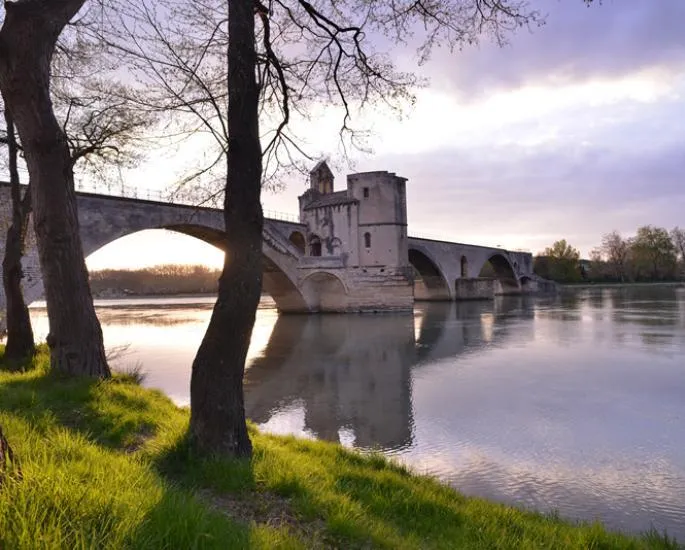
pixel 9 463
pixel 20 343
pixel 217 420
pixel 27 42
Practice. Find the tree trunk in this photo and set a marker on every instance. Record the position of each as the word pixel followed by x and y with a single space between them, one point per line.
pixel 20 344
pixel 217 419
pixel 8 461
pixel 27 41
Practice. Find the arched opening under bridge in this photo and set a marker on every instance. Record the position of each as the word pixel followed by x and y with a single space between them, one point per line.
pixel 276 282
pixel 325 292
pixel 498 267
pixel 429 282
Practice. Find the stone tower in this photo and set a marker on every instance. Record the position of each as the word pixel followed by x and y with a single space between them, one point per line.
pixel 382 219
pixel 356 253
pixel 321 178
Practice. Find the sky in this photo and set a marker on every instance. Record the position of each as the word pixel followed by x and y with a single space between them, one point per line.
pixel 572 130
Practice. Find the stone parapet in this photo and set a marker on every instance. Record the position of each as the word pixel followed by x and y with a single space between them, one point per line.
pixel 321 262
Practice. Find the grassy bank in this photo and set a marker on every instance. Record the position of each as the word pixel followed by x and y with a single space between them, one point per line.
pixel 105 465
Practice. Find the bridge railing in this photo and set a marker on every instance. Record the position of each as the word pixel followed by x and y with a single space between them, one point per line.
pixel 442 238
pixel 282 216
pixel 156 195
pixel 427 236
pixel 128 192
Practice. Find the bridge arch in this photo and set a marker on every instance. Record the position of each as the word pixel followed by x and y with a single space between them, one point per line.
pixel 503 271
pixel 324 291
pixel 430 284
pixel 278 278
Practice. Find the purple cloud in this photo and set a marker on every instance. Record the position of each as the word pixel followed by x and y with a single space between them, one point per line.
pixel 577 43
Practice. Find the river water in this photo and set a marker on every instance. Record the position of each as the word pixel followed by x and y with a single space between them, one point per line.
pixel 573 404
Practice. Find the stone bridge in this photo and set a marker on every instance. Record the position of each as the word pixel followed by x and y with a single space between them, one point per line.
pixel 296 277
pixel 105 218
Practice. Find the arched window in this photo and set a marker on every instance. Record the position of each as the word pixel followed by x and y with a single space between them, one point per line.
pixel 367 240
pixel 464 267
pixel 298 240
pixel 315 246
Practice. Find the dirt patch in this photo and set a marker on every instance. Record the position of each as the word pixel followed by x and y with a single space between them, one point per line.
pixel 146 433
pixel 268 509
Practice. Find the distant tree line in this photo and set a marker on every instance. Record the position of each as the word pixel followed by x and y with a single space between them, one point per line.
pixel 653 254
pixel 157 280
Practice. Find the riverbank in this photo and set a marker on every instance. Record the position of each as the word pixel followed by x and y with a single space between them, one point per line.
pixel 105 465
pixel 584 286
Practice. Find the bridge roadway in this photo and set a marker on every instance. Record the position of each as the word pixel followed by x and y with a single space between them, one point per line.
pixel 442 270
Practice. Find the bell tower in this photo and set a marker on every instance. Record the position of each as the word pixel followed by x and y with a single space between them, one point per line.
pixel 321 178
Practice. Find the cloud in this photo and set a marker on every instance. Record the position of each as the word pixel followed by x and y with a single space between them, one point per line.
pixel 577 44
pixel 522 197
pixel 576 173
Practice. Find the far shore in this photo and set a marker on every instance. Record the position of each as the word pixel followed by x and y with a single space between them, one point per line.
pixel 581 286
pixel 120 294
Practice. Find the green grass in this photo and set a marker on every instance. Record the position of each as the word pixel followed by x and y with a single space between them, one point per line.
pixel 106 465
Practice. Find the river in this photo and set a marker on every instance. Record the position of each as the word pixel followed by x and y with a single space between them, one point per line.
pixel 573 404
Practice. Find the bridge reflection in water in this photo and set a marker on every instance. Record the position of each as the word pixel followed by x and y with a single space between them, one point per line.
pixel 350 377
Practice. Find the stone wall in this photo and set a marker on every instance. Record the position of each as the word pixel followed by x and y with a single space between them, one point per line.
pixel 477 289
pixel 337 228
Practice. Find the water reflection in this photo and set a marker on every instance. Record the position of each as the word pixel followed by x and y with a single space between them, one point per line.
pixel 450 330
pixel 347 373
pixel 349 377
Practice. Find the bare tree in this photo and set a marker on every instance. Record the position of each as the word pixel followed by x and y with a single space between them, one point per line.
pixel 678 238
pixel 9 463
pixel 20 342
pixel 597 265
pixel 617 250
pixel 103 132
pixel 28 39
